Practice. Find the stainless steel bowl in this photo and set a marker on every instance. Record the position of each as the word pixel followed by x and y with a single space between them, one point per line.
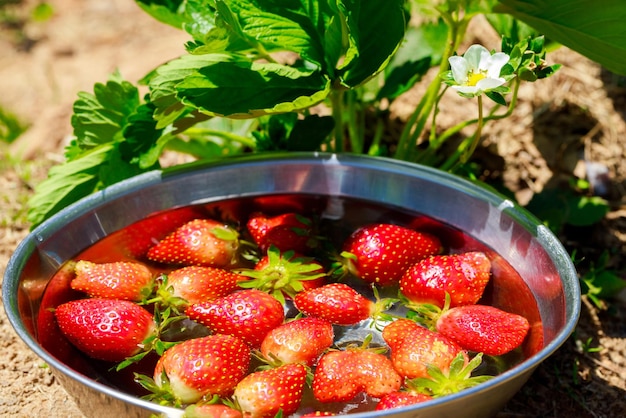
pixel 517 237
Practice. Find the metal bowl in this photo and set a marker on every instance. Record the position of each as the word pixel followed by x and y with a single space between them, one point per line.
pixel 518 239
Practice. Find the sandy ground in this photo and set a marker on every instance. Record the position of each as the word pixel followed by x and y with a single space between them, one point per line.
pixel 577 115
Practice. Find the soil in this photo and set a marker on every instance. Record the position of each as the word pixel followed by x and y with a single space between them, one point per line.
pixel 572 124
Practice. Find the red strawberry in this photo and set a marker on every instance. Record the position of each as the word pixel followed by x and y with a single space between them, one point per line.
pixel 284 274
pixel 264 393
pixel 288 231
pixel 415 348
pixel 105 329
pixel 482 328
pixel 209 410
pixel 139 237
pixel 399 399
pixel 381 253
pixel 119 280
pixel 341 375
pixel 199 367
pixel 196 284
pixel 339 304
pixel 302 340
pixel 199 242
pixel 248 314
pixel 462 276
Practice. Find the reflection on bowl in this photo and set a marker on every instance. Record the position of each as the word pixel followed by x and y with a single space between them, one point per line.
pixel 533 274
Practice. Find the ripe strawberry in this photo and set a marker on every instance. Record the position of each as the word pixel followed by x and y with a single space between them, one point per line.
pixel 302 340
pixel 341 375
pixel 415 348
pixel 248 314
pixel 105 329
pixel 340 304
pixel 119 280
pixel 264 393
pixel 482 328
pixel 195 284
pixel 284 274
pixel 139 237
pixel 288 231
pixel 462 276
pixel 199 242
pixel 401 398
pixel 199 367
pixel 381 253
pixel 211 410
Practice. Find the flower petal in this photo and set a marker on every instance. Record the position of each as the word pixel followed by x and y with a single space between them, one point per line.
pixel 459 68
pixel 489 83
pixel 474 55
pixel 466 89
pixel 496 62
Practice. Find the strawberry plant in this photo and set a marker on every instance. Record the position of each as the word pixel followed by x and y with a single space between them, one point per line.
pixel 259 76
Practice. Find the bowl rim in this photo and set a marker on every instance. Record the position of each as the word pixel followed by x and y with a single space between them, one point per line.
pixel 27 246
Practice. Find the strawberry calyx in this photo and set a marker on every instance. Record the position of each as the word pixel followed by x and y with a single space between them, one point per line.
pixel 163 321
pixel 426 314
pixel 164 296
pixel 379 312
pixel 283 275
pixel 456 379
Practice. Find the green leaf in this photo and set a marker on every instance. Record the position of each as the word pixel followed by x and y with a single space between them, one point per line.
pixel 67 183
pixel 165 11
pixel 277 25
pixel 593 29
pixel 376 28
pixel 243 89
pixel 585 210
pixel 309 133
pixel 98 118
pixel 402 78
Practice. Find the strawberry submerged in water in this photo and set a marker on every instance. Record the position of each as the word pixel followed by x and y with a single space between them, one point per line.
pixel 248 314
pixel 462 276
pixel 342 375
pixel 106 329
pixel 197 368
pixel 381 253
pixel 340 304
pixel 287 232
pixel 265 393
pixel 199 242
pixel 483 329
pixel 301 340
pixel 119 280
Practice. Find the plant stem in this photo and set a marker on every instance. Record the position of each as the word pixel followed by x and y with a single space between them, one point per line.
pixel 354 133
pixel 336 98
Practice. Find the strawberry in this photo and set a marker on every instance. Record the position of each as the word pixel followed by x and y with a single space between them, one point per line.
pixel 119 280
pixel 284 274
pixel 302 340
pixel 199 367
pixel 381 253
pixel 339 304
pixel 415 348
pixel 199 242
pixel 105 329
pixel 342 375
pixel 248 314
pixel 289 231
pixel 401 398
pixel 211 410
pixel 195 284
pixel 482 328
pixel 139 237
pixel 462 276
pixel 263 394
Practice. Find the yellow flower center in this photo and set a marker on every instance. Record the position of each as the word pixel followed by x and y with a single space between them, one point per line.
pixel 474 77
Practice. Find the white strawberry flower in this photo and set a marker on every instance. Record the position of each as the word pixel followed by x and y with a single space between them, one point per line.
pixel 477 71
